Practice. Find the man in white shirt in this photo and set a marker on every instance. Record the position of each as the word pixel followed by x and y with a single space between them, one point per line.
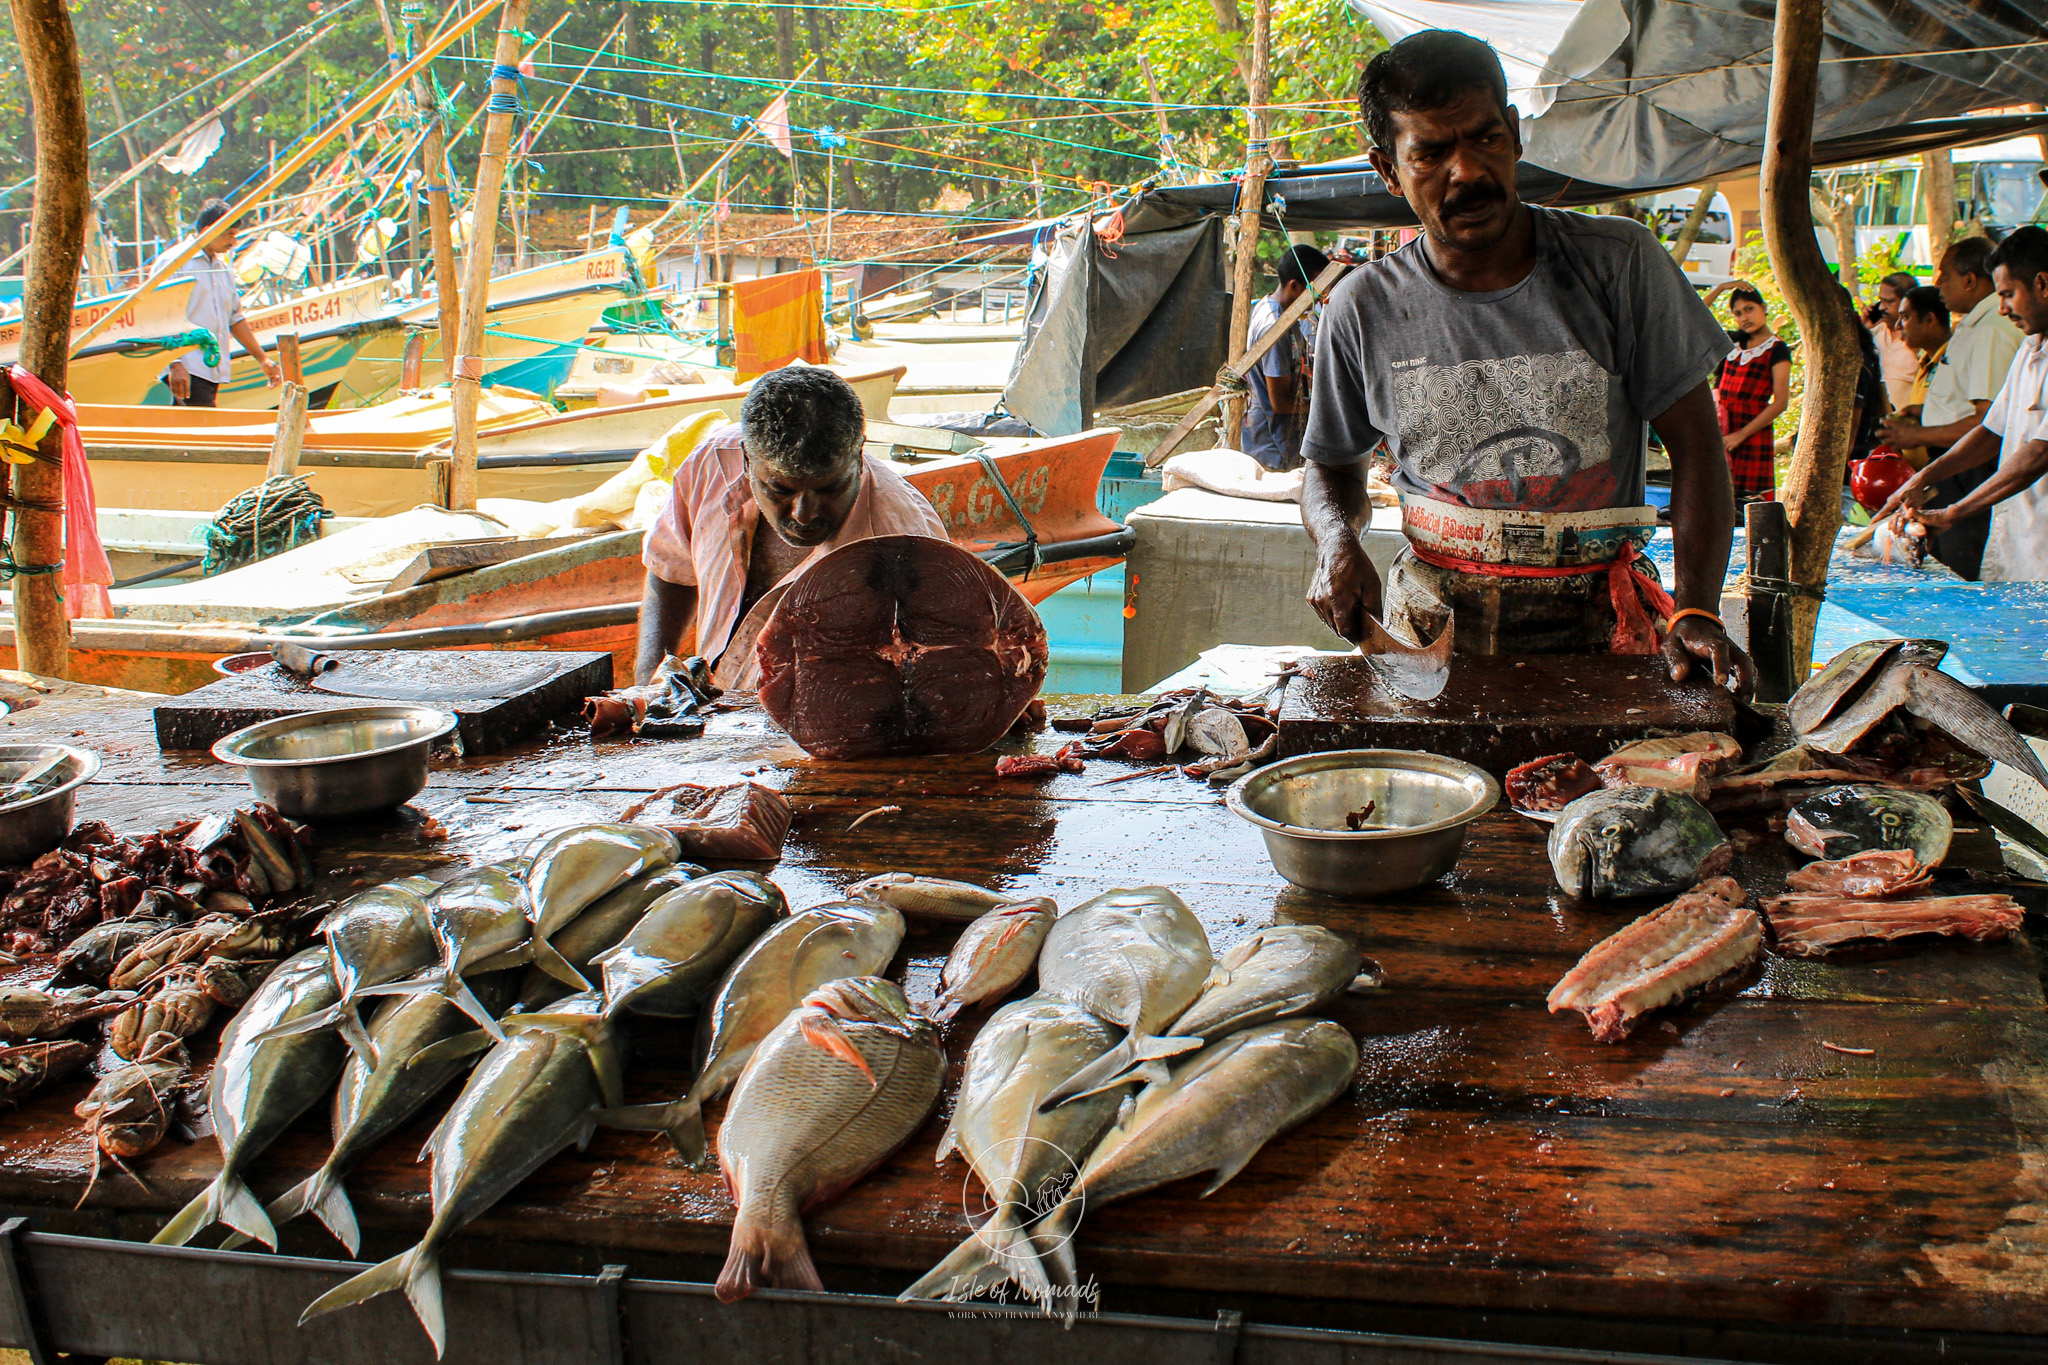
pixel 2014 430
pixel 216 305
pixel 1959 393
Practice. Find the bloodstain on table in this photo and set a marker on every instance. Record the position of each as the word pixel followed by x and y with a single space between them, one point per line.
pixel 1722 1165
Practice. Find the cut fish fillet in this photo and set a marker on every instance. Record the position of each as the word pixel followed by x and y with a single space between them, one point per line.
pixel 1814 926
pixel 1874 872
pixel 1703 935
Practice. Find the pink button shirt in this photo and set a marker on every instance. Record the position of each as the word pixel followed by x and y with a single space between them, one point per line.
pixel 705 534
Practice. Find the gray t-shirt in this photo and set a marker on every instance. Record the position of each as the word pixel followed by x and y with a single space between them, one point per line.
pixel 1534 397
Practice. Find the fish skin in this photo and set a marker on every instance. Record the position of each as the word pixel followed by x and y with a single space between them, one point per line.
pixel 1024 1050
pixel 928 897
pixel 1279 971
pixel 571 868
pixel 1843 677
pixel 684 942
pixel 374 1099
pixel 374 937
pixel 601 926
pixel 764 983
pixel 260 1086
pixel 532 1096
pixel 1213 1114
pixel 993 954
pixel 1620 842
pixel 1839 822
pixel 805 1122
pixel 1137 957
pixel 479 922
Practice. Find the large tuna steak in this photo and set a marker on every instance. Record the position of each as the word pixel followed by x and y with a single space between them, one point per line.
pixel 900 645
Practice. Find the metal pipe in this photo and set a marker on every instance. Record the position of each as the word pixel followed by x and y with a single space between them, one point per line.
pixel 508 630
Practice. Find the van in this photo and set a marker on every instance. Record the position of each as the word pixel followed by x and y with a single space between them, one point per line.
pixel 1712 258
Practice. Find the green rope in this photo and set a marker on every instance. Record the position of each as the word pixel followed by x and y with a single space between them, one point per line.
pixel 198 338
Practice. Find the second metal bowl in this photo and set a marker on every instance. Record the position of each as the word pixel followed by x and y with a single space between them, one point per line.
pixel 1358 823
pixel 33 825
pixel 325 765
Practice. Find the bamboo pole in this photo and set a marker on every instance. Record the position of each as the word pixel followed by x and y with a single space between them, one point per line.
pixel 1251 199
pixel 1813 487
pixel 49 49
pixel 466 368
pixel 290 168
pixel 440 214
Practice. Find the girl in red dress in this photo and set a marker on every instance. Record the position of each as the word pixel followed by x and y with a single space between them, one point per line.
pixel 1750 389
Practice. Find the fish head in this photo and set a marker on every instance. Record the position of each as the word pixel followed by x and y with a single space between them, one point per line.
pixel 868 999
pixel 756 888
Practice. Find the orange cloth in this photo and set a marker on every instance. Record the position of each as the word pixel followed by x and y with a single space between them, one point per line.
pixel 777 319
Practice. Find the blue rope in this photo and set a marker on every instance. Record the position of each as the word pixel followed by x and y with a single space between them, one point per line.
pixel 506 101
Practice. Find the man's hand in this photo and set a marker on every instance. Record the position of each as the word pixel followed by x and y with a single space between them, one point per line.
pixel 1932 518
pixel 1346 587
pixel 1900 432
pixel 180 380
pixel 271 373
pixel 1906 497
pixel 1698 639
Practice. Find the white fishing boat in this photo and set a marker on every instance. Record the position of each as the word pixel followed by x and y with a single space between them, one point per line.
pixel 122 363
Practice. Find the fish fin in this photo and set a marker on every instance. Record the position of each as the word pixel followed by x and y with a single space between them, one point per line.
pixel 356 1036
pixel 412 985
pixel 997 1252
pixel 242 1211
pixel 511 957
pixel 767 1255
pixel 466 1001
pixel 321 1194
pixel 1227 1170
pixel 305 1023
pixel 1053 1239
pixel 1941 700
pixel 1115 1066
pixel 417 1272
pixel 947 1008
pixel 202 1213
pixel 822 1031
pixel 451 1049
pixel 550 960
pixel 226 1200
pixel 682 1120
pixel 948 1144
pixel 1125 1108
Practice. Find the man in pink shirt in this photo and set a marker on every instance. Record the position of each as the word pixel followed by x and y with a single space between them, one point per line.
pixel 794 462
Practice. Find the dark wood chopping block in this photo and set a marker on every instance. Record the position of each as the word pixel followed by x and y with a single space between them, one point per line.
pixel 1500 711
pixel 501 696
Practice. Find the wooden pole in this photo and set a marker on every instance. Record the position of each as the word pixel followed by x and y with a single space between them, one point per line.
pixel 466 369
pixel 291 431
pixel 1770 612
pixel 289 364
pixel 49 49
pixel 434 165
pixel 1812 492
pixel 1251 199
pixel 1159 116
pixel 1938 190
pixel 289 168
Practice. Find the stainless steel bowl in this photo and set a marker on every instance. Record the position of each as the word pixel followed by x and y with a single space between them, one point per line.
pixel 31 828
pixel 325 765
pixel 1420 804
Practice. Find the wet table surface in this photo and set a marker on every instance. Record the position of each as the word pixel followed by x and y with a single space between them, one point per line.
pixel 1723 1164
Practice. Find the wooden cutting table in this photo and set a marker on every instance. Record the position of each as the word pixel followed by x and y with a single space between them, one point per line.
pixel 1724 1182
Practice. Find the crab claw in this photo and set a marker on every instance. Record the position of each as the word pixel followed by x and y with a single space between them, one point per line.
pixel 821 1030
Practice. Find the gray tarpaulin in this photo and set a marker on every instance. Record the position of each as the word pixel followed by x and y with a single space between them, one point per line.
pixel 1110 323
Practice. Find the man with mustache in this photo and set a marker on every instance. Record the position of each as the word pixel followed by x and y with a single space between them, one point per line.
pixel 1509 359
pixel 792 466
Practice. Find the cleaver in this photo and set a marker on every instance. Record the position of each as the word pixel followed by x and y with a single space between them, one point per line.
pixel 1418 672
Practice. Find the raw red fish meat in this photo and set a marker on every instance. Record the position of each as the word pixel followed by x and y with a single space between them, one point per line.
pixel 900 645
pixel 745 822
pixel 1550 783
pixel 1037 765
pixel 1814 926
pixel 1874 872
pixel 1704 935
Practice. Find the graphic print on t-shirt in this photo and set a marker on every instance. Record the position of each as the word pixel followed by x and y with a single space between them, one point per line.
pixel 1527 431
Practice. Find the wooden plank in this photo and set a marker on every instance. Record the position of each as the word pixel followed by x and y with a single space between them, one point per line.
pixel 450 558
pixel 291 432
pixel 288 363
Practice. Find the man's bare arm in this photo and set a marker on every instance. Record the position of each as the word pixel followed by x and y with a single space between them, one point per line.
pixel 666 612
pixel 1898 433
pixel 1336 509
pixel 241 331
pixel 2015 475
pixel 1974 449
pixel 1702 530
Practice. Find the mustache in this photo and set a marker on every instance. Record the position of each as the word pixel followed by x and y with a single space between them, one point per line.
pixel 1473 197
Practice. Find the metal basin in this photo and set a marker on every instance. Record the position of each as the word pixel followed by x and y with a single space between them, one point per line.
pixel 326 765
pixel 32 827
pixel 1420 804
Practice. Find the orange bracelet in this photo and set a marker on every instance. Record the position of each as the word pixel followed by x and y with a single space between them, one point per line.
pixel 1678 616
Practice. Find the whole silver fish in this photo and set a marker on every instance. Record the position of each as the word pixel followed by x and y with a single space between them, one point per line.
pixel 373 937
pixel 601 927
pixel 534 1094
pixel 795 957
pixel 374 1100
pixel 1619 842
pixel 1137 958
pixel 1284 970
pixel 575 866
pixel 1025 1049
pixel 1216 1111
pixel 993 954
pixel 479 923
pixel 840 1083
pixel 261 1085
pixel 685 941
pixel 928 897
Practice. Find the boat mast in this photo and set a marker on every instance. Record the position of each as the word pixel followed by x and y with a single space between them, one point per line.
pixel 49 48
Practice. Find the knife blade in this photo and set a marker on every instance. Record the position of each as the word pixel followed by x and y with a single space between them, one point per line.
pixel 1418 672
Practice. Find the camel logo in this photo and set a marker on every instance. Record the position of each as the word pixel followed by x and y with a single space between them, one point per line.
pixel 1001 1212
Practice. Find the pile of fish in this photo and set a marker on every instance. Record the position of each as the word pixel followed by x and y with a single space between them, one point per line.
pixel 1228 736
pixel 225 864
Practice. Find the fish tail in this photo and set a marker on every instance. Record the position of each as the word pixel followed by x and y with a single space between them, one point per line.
pixel 767 1254
pixel 682 1120
pixel 417 1272
pixel 1053 1239
pixel 350 1026
pixel 1117 1066
pixel 226 1200
pixel 321 1194
pixel 550 960
pixel 466 1001
pixel 996 1252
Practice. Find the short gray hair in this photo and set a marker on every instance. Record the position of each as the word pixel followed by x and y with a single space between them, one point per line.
pixel 804 421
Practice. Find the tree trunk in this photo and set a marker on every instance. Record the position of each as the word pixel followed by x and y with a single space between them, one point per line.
pixel 49 49
pixel 1231 21
pixel 785 44
pixel 1695 219
pixel 466 369
pixel 1251 199
pixel 1812 493
pixel 1938 191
